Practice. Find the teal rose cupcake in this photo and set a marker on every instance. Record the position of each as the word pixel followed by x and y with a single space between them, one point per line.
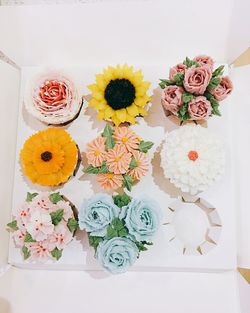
pixel 119 228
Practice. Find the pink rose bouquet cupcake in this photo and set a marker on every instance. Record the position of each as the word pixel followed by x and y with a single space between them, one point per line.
pixel 43 225
pixel 194 89
pixel 118 157
pixel 53 98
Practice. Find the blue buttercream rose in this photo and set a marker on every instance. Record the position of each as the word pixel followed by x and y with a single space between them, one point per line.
pixel 117 254
pixel 142 218
pixel 97 213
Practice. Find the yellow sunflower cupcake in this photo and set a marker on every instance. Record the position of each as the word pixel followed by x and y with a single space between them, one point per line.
pixel 119 94
pixel 49 157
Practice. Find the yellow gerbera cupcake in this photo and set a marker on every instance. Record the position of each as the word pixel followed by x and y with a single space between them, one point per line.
pixel 119 94
pixel 49 157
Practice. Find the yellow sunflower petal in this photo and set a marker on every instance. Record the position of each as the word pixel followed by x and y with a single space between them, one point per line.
pixel 116 121
pixel 109 112
pixel 142 111
pixel 98 105
pixel 121 114
pixel 93 88
pixel 133 110
pixel 100 115
pixel 131 119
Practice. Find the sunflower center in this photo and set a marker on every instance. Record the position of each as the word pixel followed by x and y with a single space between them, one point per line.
pixel 46 156
pixel 119 93
pixel 193 155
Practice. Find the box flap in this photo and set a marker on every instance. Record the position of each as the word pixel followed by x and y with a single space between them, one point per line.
pixel 9 94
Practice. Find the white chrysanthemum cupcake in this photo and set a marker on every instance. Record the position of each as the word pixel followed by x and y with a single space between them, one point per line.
pixel 53 98
pixel 192 158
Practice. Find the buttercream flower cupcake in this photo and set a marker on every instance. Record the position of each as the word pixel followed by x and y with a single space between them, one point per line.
pixel 43 226
pixel 192 158
pixel 50 157
pixel 118 157
pixel 53 98
pixel 194 89
pixel 119 227
pixel 119 95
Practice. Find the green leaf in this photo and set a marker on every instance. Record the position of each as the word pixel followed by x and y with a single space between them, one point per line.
pixel 127 181
pixel 144 146
pixel 133 163
pixel 72 225
pixel 178 79
pixel 214 104
pixel 187 97
pixel 188 62
pixel 57 216
pixel 165 82
pixel 55 197
pixel 183 112
pixel 94 241
pixel 97 170
pixel 30 196
pixel 141 246
pixel 117 228
pixel 13 225
pixel 214 82
pixel 216 110
pixel 28 238
pixel 107 133
pixel 121 200
pixel 26 253
pixel 56 253
pixel 218 71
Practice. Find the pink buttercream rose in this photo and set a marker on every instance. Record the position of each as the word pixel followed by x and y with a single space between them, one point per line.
pixel 199 108
pixel 204 60
pixel 224 89
pixel 179 68
pixel 172 98
pixel 196 79
pixel 61 236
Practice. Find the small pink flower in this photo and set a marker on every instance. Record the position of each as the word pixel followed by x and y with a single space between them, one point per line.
pixel 96 152
pixel 142 165
pixel 204 60
pixel 40 250
pixel 42 201
pixel 197 79
pixel 67 210
pixel 224 89
pixel 110 180
pixel 199 108
pixel 61 236
pixel 172 98
pixel 22 214
pixel 40 225
pixel 18 236
pixel 118 160
pixel 179 68
pixel 127 138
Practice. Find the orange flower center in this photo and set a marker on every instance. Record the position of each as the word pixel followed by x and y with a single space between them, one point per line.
pixel 193 155
pixel 117 159
pixel 110 175
pixel 97 152
pixel 124 139
pixel 46 156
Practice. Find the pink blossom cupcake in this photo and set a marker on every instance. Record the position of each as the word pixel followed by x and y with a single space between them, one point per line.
pixel 53 98
pixel 118 157
pixel 194 89
pixel 43 226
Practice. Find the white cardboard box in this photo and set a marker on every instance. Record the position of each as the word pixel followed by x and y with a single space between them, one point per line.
pixel 137 33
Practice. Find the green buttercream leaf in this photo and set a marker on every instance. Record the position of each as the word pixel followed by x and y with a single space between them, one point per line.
pixel 121 200
pixel 178 79
pixel 30 196
pixel 214 103
pixel 107 133
pixel 188 62
pixel 26 252
pixel 97 170
pixel 117 228
pixel 57 216
pixel 218 71
pixel 187 97
pixel 141 246
pixel 183 112
pixel 214 82
pixel 13 225
pixel 144 146
pixel 94 241
pixel 28 238
pixel 127 182
pixel 72 225
pixel 56 253
pixel 133 163
pixel 166 82
pixel 55 197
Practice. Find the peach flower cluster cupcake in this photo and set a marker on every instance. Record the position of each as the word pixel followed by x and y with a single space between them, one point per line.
pixel 118 157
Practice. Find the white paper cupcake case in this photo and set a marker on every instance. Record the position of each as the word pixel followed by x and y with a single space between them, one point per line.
pixel 193 228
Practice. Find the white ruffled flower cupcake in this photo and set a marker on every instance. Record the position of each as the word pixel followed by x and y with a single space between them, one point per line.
pixel 52 98
pixel 192 158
